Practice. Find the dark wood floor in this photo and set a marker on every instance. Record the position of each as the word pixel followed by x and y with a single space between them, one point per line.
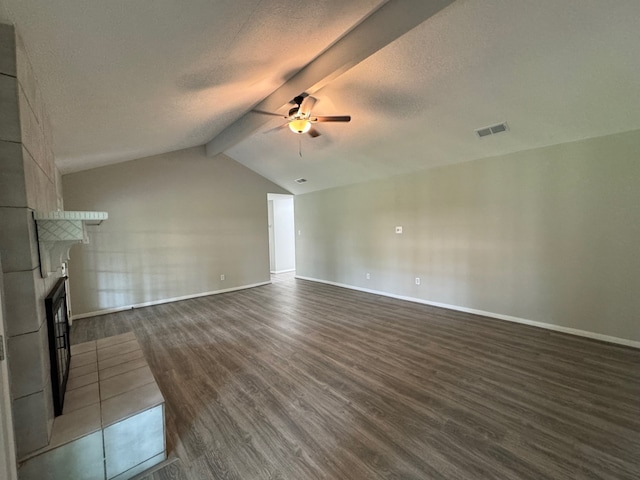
pixel 298 380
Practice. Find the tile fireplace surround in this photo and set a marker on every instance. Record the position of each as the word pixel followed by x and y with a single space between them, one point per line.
pixel 112 425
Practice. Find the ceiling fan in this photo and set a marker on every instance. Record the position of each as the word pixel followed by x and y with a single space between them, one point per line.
pixel 299 120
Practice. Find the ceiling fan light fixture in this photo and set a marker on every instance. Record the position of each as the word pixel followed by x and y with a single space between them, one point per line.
pixel 300 125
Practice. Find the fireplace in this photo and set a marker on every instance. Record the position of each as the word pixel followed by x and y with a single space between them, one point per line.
pixel 59 348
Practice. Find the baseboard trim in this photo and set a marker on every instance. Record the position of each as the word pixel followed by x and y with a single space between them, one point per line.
pixel 283 271
pixel 508 318
pixel 166 300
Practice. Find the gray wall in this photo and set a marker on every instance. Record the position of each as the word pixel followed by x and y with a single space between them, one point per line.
pixel 549 235
pixel 28 181
pixel 176 223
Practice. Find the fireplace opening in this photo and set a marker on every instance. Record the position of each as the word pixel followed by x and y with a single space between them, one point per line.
pixel 59 348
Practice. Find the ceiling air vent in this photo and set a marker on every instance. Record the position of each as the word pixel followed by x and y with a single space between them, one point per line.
pixel 301 180
pixel 492 130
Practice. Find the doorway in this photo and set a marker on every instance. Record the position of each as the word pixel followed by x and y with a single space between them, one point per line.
pixel 282 240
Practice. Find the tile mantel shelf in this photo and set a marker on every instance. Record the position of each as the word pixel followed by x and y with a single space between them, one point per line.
pixel 58 231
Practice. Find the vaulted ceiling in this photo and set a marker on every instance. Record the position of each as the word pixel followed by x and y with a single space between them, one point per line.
pixel 125 80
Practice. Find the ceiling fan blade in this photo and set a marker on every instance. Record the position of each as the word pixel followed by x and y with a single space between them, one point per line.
pixel 275 129
pixel 306 106
pixel 313 133
pixel 334 118
pixel 262 112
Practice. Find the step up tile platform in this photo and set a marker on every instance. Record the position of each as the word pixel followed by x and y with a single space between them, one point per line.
pixel 112 426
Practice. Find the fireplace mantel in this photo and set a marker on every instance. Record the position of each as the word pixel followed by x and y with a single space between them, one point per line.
pixel 58 231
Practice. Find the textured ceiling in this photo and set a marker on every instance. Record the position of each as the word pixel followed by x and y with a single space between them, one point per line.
pixel 556 71
pixel 129 79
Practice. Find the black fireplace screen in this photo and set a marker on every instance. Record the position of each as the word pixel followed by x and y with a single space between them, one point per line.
pixel 59 349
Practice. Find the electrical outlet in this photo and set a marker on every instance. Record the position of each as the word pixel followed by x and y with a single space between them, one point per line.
pixel 368 275
pixel 399 229
pixel 222 277
pixel 417 280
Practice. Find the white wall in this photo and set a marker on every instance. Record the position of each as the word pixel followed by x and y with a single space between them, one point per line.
pixel 549 235
pixel 177 222
pixel 283 228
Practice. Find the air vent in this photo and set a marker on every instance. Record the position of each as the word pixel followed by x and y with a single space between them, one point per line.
pixel 301 180
pixel 492 130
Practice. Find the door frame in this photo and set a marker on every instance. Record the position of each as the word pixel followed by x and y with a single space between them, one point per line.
pixel 279 236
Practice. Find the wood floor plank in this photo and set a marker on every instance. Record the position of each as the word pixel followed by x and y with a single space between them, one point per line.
pixel 298 380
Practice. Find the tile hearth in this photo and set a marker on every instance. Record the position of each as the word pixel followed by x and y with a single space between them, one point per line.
pixel 112 426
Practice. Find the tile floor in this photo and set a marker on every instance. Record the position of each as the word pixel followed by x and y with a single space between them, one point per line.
pixel 110 390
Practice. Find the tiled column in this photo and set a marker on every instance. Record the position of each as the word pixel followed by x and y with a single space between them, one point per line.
pixel 28 182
